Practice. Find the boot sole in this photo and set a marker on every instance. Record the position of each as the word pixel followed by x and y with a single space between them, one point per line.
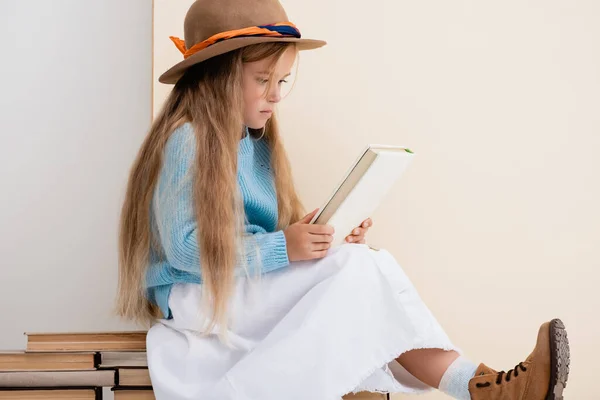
pixel 559 360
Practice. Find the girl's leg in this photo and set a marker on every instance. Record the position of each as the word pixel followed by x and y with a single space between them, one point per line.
pixel 428 365
pixel 443 370
pixel 542 376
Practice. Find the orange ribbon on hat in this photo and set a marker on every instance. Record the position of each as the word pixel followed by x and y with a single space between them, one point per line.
pixel 266 30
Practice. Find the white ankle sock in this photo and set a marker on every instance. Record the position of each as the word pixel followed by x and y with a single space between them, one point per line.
pixel 455 381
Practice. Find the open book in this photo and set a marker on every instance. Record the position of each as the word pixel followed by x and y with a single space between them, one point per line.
pixel 363 188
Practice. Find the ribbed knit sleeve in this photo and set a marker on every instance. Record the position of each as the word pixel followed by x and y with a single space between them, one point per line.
pixel 176 221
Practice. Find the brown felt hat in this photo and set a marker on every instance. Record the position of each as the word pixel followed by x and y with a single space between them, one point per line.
pixel 214 27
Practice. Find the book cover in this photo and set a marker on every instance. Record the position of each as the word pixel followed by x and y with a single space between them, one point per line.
pixel 22 361
pixel 58 378
pixel 90 341
pixel 51 393
pixel 363 188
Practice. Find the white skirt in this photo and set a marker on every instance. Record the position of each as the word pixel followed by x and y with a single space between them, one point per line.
pixel 315 330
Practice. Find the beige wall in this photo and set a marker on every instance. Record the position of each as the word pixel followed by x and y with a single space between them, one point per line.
pixel 497 221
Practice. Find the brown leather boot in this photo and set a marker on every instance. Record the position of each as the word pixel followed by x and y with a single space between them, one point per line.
pixel 543 376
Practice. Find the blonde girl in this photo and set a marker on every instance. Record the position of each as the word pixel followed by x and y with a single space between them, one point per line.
pixel 244 298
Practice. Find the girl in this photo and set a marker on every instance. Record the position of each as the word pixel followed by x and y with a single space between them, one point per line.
pixel 247 299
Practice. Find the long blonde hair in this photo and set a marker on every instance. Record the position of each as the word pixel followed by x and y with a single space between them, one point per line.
pixel 209 96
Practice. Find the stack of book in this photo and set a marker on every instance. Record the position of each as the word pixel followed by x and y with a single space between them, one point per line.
pixel 76 366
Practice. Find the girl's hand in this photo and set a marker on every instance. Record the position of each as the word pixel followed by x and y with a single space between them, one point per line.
pixel 307 241
pixel 358 234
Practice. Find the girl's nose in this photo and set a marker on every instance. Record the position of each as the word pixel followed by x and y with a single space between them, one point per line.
pixel 274 95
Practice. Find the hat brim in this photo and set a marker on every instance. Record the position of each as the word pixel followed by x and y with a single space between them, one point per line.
pixel 175 72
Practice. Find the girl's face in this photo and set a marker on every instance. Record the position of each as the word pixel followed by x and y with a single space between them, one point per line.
pixel 258 104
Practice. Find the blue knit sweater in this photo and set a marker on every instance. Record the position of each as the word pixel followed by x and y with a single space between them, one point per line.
pixel 173 220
